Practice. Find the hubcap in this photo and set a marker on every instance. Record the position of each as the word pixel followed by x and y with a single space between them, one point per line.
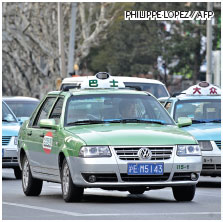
pixel 25 174
pixel 65 180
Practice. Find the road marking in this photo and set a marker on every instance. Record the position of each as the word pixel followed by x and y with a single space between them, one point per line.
pixel 75 214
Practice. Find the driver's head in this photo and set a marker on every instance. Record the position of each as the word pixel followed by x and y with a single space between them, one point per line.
pixel 127 109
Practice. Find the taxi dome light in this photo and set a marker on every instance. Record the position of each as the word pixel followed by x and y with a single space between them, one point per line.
pixel 102 80
pixel 203 84
pixel 102 75
pixel 203 89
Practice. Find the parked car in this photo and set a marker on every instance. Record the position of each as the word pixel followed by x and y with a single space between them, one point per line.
pixel 157 88
pixel 10 130
pixel 22 106
pixel 201 103
pixel 109 137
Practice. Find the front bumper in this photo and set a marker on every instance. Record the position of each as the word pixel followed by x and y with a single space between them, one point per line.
pixel 10 156
pixel 211 161
pixel 112 171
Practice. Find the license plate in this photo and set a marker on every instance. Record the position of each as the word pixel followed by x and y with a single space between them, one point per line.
pixel 145 168
pixel 208 160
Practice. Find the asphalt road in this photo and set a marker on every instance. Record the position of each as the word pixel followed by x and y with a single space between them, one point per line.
pixel 98 204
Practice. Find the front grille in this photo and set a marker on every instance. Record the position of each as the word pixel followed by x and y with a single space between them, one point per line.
pixel 218 166
pixel 208 167
pixel 5 140
pixel 181 176
pixel 101 177
pixel 144 178
pixel 131 153
pixel 218 143
pixel 9 160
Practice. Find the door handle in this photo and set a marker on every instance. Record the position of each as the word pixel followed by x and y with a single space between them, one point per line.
pixel 42 135
pixel 29 133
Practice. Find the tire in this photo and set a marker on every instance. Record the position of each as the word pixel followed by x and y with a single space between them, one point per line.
pixel 18 173
pixel 71 193
pixel 31 186
pixel 137 190
pixel 184 193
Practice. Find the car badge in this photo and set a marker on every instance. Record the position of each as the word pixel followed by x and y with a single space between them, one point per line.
pixel 144 153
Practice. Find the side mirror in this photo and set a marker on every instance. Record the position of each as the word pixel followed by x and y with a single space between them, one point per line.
pixel 48 123
pixel 184 121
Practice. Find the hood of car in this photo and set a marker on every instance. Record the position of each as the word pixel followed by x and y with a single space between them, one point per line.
pixel 205 131
pixel 131 134
pixel 10 129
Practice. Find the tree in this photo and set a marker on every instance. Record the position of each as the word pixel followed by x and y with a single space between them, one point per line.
pixel 30 42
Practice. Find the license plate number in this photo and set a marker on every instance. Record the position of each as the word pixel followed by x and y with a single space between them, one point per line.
pixel 145 168
pixel 207 160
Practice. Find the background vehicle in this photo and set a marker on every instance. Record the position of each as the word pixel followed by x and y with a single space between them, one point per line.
pixel 84 138
pixel 22 106
pixel 205 111
pixel 10 130
pixel 157 88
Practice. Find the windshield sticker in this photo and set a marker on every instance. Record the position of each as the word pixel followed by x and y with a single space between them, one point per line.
pixel 179 106
pixel 48 142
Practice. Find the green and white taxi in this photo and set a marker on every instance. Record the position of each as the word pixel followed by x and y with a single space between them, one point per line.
pixel 106 136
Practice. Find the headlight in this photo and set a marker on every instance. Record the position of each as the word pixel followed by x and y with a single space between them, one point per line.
pixel 205 145
pixel 16 140
pixel 188 150
pixel 94 151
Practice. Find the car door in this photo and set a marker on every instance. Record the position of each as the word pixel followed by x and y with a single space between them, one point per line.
pixel 52 138
pixel 35 136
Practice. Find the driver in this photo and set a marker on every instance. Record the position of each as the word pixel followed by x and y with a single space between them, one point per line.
pixel 128 109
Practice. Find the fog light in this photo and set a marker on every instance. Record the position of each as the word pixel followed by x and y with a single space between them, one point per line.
pixel 92 178
pixel 193 176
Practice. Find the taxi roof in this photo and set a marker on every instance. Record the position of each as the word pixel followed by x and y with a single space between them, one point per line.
pixel 196 97
pixel 80 79
pixel 98 91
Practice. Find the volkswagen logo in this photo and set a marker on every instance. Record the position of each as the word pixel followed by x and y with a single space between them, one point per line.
pixel 144 153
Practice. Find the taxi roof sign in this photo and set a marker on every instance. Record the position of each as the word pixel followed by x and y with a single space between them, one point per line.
pixel 203 89
pixel 102 80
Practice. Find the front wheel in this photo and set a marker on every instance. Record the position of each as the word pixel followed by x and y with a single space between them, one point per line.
pixel 184 193
pixel 17 173
pixel 71 193
pixel 31 186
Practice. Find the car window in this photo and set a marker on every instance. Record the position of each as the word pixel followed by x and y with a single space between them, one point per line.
pixel 22 108
pixel 157 90
pixel 205 110
pixel 57 110
pixel 7 115
pixel 44 110
pixel 114 106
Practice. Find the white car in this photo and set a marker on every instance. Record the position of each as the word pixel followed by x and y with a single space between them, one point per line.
pixel 10 131
pixel 21 106
pixel 157 88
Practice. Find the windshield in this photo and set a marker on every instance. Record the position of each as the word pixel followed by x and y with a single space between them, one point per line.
pixel 22 108
pixel 199 110
pixel 99 108
pixel 7 115
pixel 157 90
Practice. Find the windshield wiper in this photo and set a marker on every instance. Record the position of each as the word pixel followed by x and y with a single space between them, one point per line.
pixel 5 120
pixel 198 121
pixel 86 122
pixel 135 121
pixel 206 121
pixel 216 120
